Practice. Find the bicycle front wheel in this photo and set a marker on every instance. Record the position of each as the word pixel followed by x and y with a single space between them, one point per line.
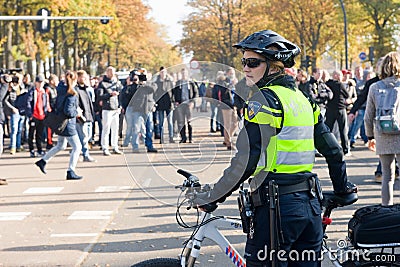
pixel 159 262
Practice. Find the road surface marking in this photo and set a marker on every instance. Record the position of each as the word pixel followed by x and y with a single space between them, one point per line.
pixel 90 215
pixel 102 189
pixel 43 190
pixel 74 235
pixel 13 216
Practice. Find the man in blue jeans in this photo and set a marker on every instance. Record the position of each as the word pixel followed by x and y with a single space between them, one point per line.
pixel 139 112
pixel 84 123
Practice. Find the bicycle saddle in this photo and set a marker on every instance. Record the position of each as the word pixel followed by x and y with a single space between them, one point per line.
pixel 333 200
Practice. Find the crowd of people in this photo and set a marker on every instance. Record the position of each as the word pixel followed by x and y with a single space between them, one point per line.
pixel 145 104
pixel 97 107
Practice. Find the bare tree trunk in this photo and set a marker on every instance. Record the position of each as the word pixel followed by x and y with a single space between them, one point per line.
pixel 76 46
pixel 56 52
pixel 64 52
pixel 9 59
pixel 38 63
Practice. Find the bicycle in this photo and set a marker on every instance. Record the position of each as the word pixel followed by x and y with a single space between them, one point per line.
pixel 207 227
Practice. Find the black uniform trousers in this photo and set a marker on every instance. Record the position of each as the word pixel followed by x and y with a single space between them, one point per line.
pixel 302 233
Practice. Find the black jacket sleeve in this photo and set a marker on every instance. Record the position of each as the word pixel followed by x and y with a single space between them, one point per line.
pixel 362 97
pixel 244 163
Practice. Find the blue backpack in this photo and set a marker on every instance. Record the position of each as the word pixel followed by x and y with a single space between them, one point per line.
pixel 387 110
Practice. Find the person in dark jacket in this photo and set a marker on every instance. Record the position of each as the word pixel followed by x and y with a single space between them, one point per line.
pixel 336 109
pixel 184 92
pixel 164 99
pixel 321 93
pixel 139 112
pixel 304 84
pixel 3 92
pixel 51 90
pixel 38 106
pixel 66 104
pixel 84 123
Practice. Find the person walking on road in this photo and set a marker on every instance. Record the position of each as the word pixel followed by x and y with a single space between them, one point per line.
pixel 67 104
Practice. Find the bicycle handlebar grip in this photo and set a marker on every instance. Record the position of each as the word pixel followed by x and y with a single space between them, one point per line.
pixel 184 173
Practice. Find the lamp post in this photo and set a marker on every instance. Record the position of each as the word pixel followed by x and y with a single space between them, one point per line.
pixel 345 34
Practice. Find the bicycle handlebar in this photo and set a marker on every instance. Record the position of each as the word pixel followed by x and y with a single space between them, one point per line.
pixel 191 180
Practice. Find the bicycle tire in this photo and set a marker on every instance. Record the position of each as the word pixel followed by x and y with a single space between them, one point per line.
pixel 159 262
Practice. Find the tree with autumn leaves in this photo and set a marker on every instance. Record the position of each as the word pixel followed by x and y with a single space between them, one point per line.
pixel 315 25
pixel 130 40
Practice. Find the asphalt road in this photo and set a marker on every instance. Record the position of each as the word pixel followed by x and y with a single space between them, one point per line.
pixel 123 211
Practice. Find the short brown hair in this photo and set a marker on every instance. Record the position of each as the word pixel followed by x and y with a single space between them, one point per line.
pixel 81 73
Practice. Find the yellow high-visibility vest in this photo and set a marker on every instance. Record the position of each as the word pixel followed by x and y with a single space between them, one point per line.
pixel 292 150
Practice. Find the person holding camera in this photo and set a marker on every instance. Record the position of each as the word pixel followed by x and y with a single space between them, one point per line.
pixel 109 89
pixel 140 109
pixel 85 120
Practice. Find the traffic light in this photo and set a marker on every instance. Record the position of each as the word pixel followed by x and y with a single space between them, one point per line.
pixel 104 20
pixel 306 63
pixel 371 54
pixel 43 25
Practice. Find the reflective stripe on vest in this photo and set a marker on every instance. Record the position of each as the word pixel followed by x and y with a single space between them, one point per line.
pixel 292 150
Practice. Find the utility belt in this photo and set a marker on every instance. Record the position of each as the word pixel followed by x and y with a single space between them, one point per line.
pixel 260 196
pixel 268 194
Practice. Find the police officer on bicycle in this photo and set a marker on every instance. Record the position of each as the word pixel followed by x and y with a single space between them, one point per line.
pixel 281 132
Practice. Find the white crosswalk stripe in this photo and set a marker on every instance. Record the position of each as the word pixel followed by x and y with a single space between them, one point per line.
pixel 43 190
pixel 103 189
pixel 13 216
pixel 90 215
pixel 75 235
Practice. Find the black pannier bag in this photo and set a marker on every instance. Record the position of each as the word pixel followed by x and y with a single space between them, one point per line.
pixel 375 225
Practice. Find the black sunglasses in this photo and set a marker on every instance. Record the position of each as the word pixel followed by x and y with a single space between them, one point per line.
pixel 252 62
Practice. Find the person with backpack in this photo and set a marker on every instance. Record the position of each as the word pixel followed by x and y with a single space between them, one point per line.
pixel 382 118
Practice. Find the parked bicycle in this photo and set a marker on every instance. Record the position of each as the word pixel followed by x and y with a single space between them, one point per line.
pixel 346 254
